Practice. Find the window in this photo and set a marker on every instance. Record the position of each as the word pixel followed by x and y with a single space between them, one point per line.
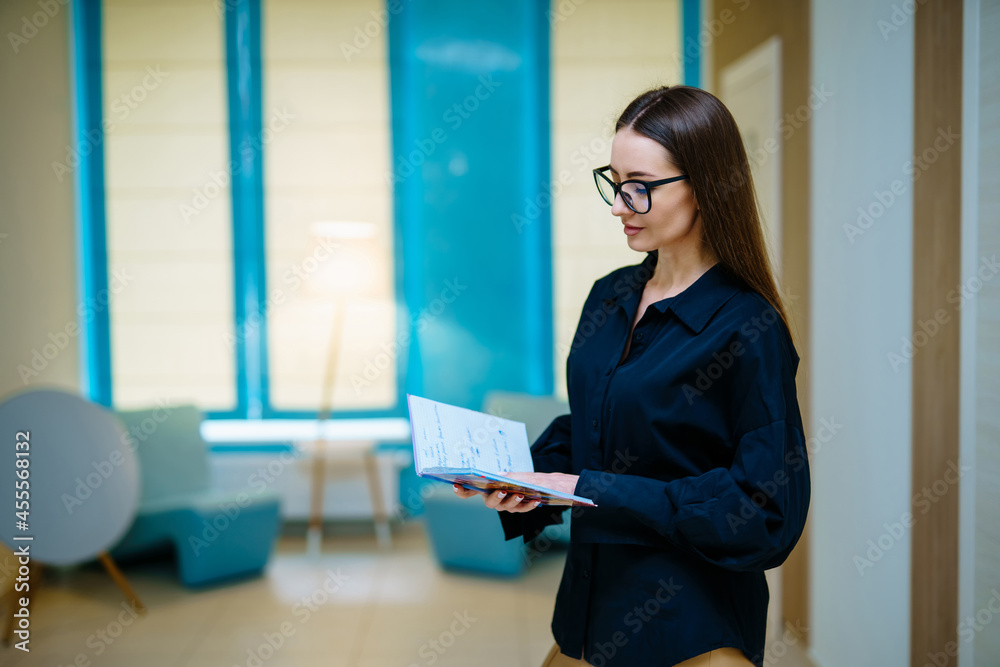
pixel 168 211
pixel 328 204
pixel 327 201
pixel 589 55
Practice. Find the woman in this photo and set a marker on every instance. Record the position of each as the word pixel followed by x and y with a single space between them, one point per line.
pixel 684 424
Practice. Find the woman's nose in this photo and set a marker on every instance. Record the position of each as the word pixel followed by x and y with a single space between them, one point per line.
pixel 619 208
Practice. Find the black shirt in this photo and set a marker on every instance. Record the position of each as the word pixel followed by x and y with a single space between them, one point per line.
pixel 693 450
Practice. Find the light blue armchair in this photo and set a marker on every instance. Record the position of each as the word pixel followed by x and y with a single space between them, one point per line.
pixel 215 536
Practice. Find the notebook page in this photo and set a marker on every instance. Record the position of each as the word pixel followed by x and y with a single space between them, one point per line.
pixel 448 436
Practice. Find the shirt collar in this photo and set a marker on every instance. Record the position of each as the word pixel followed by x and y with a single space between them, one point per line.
pixel 696 305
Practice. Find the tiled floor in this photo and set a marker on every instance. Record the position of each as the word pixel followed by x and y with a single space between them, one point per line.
pixel 355 605
pixel 352 606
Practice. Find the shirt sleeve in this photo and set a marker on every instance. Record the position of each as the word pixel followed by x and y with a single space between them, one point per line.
pixel 550 453
pixel 745 517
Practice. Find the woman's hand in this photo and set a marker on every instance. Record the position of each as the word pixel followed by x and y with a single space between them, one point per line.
pixel 508 501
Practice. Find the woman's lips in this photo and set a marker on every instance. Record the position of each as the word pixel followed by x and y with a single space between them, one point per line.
pixel 632 231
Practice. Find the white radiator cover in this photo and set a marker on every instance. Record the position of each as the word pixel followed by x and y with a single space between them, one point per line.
pixel 346 494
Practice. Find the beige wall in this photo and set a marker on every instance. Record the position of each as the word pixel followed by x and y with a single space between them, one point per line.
pixel 595 74
pixel 37 233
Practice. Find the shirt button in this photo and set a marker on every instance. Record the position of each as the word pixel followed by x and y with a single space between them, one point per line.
pixel 594 423
pixel 638 336
pixel 586 574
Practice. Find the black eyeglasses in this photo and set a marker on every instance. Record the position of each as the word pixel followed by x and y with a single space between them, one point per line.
pixel 635 193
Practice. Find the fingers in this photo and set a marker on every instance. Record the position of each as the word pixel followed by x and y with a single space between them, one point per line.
pixel 500 500
pixel 463 492
pixel 510 502
pixel 493 500
pixel 526 505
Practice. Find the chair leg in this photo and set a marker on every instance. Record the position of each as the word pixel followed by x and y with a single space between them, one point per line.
pixel 382 531
pixel 122 582
pixel 9 596
pixel 317 484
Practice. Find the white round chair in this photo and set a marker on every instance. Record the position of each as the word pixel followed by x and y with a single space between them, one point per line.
pixel 82 475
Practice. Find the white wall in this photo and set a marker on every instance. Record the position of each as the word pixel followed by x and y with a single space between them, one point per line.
pixel 346 492
pixel 861 311
pixel 968 358
pixel 986 586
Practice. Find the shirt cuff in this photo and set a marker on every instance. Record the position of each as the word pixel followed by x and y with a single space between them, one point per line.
pixel 530 524
pixel 622 503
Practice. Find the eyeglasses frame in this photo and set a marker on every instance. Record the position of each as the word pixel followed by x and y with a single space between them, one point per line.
pixel 649 185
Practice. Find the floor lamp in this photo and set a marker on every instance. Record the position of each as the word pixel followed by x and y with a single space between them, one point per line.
pixel 338 279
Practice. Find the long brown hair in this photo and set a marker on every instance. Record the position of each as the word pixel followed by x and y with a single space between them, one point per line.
pixel 703 141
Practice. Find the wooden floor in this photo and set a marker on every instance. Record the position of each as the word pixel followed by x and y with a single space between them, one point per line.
pixel 352 606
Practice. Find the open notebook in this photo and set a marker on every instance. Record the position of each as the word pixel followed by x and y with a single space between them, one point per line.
pixel 475 449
